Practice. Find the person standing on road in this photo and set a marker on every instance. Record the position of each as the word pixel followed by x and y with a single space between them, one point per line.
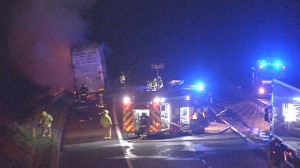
pixel 45 122
pixel 144 123
pixel 267 115
pixel 122 80
pixel 160 83
pixel 83 89
pixel 106 123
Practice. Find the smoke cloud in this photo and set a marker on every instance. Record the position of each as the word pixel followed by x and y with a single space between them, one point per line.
pixel 41 34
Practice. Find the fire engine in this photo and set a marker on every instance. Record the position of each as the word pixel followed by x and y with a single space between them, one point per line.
pixel 263 73
pixel 134 104
pixel 172 110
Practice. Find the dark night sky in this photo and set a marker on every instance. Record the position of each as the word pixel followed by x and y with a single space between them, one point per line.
pixel 195 39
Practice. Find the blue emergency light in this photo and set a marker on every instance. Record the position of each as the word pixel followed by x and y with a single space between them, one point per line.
pixel 196 87
pixel 200 86
pixel 276 64
pixel 262 63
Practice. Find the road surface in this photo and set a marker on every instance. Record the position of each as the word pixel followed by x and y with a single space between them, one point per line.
pixel 219 147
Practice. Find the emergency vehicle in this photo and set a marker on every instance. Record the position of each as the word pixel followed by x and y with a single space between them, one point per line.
pixel 284 121
pixel 263 73
pixel 134 105
pixel 171 110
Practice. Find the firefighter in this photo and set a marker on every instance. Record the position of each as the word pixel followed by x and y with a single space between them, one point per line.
pixel 45 121
pixel 144 123
pixel 160 83
pixel 149 85
pixel 106 123
pixel 204 114
pixel 122 80
pixel 154 84
pixel 267 114
pixel 83 92
pixel 83 89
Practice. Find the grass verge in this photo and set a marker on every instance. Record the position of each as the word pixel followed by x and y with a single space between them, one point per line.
pixel 18 147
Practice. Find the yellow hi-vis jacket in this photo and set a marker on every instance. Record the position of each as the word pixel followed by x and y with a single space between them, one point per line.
pixel 105 121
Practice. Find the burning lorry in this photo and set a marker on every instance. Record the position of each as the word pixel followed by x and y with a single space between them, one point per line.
pixel 89 70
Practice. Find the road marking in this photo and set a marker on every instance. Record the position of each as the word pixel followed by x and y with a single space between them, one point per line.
pixel 121 141
pixel 233 128
pixel 221 112
pixel 185 140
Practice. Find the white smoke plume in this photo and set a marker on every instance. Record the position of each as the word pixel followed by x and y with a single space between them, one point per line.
pixel 42 32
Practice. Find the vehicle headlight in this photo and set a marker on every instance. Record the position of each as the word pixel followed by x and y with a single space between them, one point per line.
pixel 261 90
pixel 156 100
pixel 126 99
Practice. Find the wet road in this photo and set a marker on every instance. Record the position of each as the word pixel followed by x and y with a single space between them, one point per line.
pixel 219 146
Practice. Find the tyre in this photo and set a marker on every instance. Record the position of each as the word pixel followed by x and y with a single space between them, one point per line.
pixel 273 158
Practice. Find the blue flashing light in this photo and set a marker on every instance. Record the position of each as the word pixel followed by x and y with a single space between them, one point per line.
pixel 278 63
pixel 275 64
pixel 200 86
pixel 262 63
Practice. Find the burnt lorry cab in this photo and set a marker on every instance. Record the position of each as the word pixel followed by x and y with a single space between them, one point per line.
pixel 89 72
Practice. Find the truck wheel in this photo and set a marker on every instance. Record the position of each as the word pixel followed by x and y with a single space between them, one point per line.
pixel 272 158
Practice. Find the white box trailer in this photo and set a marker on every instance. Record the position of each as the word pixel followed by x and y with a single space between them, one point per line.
pixel 89 67
pixel 284 121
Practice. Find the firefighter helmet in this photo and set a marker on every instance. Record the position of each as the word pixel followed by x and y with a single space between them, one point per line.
pixel 105 112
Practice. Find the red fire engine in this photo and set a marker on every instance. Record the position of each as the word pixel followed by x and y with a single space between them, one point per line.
pixel 134 105
pixel 171 110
